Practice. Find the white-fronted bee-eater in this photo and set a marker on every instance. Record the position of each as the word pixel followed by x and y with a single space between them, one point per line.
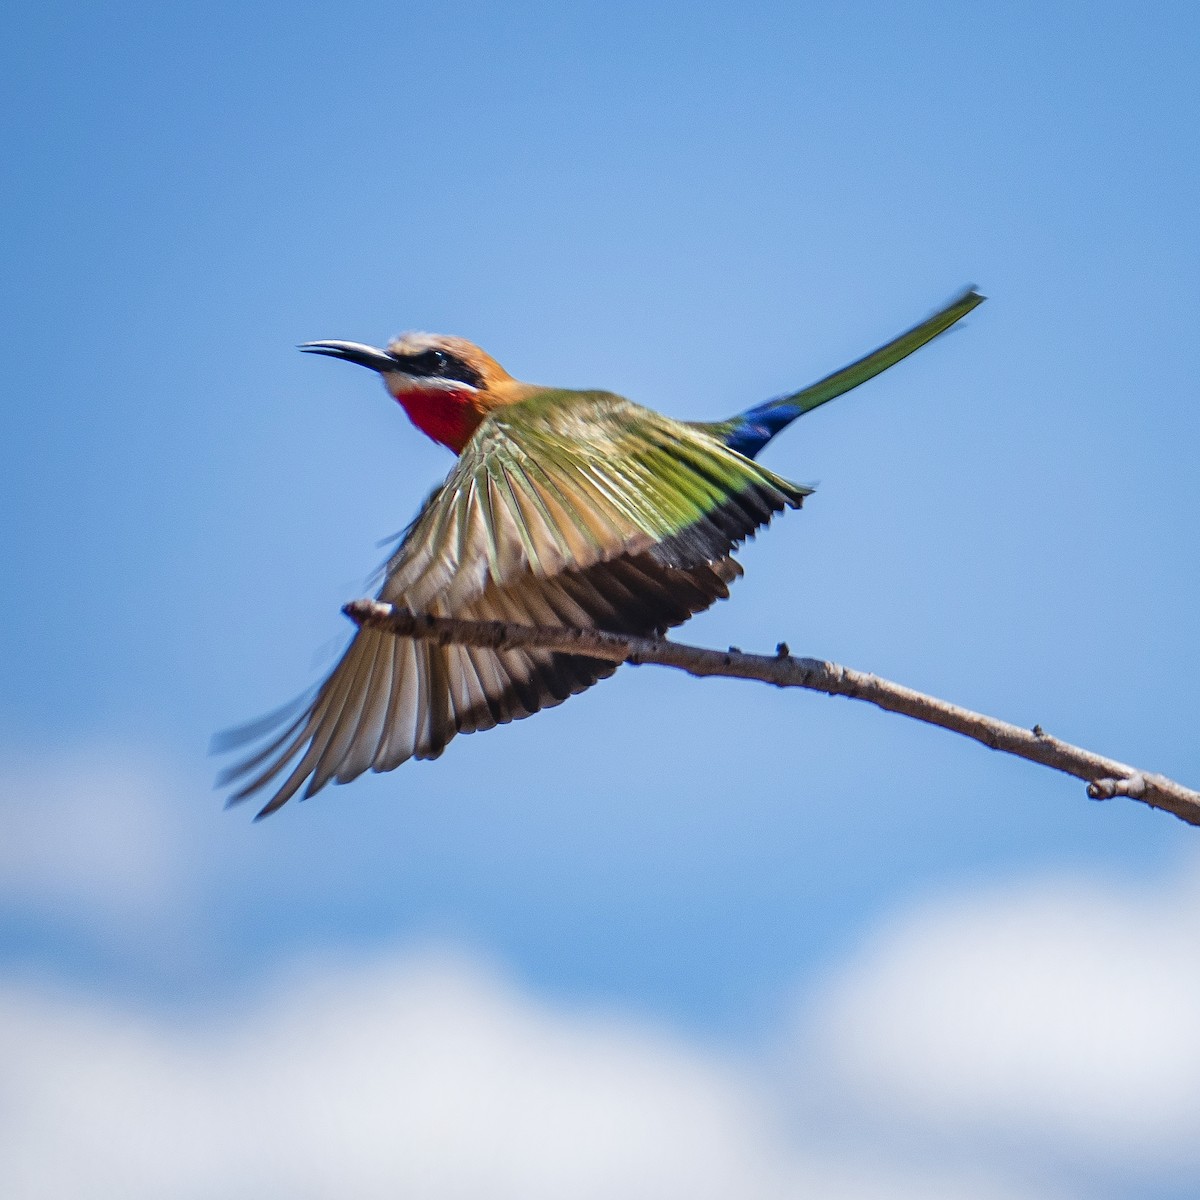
pixel 575 508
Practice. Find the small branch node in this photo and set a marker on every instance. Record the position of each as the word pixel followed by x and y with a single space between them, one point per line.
pixel 1106 789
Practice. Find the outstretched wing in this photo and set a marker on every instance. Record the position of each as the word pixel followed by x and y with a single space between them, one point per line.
pixel 571 508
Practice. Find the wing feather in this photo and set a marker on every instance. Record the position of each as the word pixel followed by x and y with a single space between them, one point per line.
pixel 561 519
pixel 360 730
pixel 399 725
pixel 317 733
pixel 369 735
pixel 341 722
pixel 435 716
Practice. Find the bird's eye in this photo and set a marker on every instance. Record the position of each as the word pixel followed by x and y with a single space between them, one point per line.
pixel 441 364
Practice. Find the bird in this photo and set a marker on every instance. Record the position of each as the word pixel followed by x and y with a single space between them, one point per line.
pixel 565 507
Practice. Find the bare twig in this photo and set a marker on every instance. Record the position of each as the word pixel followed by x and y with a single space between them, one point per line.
pixel 1105 777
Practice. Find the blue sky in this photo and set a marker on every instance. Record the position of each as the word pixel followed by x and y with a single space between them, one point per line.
pixel 699 207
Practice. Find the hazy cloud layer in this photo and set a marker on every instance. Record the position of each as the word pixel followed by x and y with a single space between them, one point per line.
pixel 422 1078
pixel 88 835
pixel 1024 1043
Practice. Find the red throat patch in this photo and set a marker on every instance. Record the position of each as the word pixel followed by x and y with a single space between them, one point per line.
pixel 449 417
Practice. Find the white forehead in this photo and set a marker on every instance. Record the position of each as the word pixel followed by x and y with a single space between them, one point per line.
pixel 416 342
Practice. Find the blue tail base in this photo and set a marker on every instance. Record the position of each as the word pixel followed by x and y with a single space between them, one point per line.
pixel 750 431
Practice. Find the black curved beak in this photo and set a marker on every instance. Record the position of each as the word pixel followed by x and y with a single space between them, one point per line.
pixel 354 352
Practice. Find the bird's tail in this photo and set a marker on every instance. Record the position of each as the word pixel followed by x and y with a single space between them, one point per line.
pixel 750 431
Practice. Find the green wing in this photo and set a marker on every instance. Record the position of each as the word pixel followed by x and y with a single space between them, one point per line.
pixel 571 508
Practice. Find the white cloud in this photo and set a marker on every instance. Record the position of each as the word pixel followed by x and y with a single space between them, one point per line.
pixel 424 1079
pixel 1059 1015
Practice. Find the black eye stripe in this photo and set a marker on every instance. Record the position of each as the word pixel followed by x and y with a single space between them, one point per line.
pixel 439 364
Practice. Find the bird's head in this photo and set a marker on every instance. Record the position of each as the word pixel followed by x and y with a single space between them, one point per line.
pixel 447 385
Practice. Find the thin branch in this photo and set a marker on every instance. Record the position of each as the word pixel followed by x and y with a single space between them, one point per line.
pixel 1105 777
